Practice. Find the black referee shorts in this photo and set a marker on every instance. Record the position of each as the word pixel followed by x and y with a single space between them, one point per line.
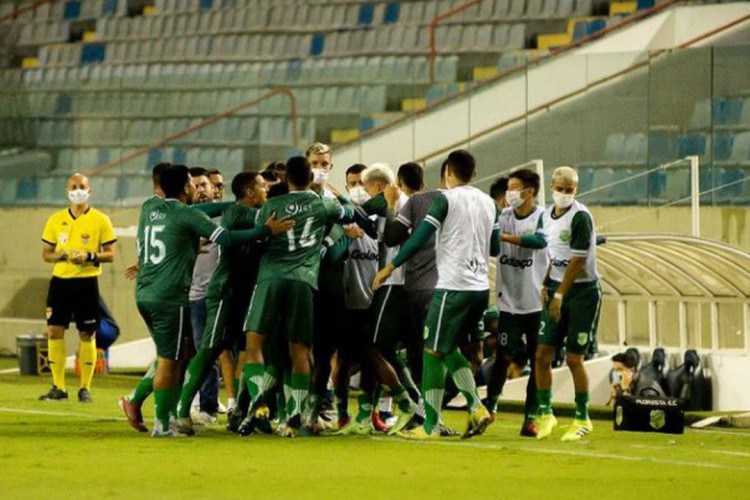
pixel 73 299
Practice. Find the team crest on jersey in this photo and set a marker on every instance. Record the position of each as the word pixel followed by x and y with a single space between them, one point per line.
pixel 583 338
pixel 85 238
pixel 565 236
pixel 156 215
pixel 63 238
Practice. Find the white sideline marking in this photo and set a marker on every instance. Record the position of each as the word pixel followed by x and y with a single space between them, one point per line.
pixel 572 453
pixel 59 414
pixel 728 433
pixel 9 370
pixel 731 453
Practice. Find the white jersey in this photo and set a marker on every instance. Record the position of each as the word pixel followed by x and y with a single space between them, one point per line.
pixel 397 277
pixel 571 234
pixel 520 270
pixel 465 218
pixel 359 272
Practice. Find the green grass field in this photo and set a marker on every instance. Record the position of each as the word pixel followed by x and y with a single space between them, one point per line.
pixel 62 450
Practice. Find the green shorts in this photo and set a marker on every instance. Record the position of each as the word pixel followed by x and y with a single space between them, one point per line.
pixel 217 312
pixel 579 316
pixel 451 315
pixel 486 325
pixel 285 300
pixel 389 315
pixel 513 329
pixel 169 326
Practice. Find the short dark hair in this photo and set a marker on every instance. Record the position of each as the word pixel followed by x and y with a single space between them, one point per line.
pixel 278 190
pixel 198 171
pixel 528 178
pixel 173 180
pixel 158 170
pixel 298 171
pixel 626 358
pixel 411 175
pixel 276 166
pixel 499 187
pixel 214 171
pixel 462 164
pixel 269 176
pixel 242 182
pixel 355 169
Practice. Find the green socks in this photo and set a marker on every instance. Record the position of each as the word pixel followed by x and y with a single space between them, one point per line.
pixel 144 388
pixel 582 405
pixel 194 377
pixel 544 397
pixel 165 401
pixel 402 399
pixel 365 407
pixel 300 391
pixel 463 378
pixel 433 387
pixel 254 380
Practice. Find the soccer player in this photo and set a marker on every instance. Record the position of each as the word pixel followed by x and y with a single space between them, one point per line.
pixel 77 240
pixel 388 314
pixel 284 291
pixel 521 268
pixel 465 218
pixel 571 298
pixel 497 193
pixel 228 291
pixel 205 264
pixel 168 236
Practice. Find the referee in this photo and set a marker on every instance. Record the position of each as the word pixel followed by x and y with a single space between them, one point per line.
pixel 76 240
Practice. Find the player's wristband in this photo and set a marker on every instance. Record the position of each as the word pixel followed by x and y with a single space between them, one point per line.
pixel 91 257
pixel 558 296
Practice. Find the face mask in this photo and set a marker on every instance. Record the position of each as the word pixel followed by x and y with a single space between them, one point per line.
pixel 514 198
pixel 563 200
pixel 358 195
pixel 320 176
pixel 78 196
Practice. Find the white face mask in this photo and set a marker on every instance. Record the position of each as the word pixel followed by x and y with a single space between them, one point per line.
pixel 514 198
pixel 358 195
pixel 78 196
pixel 563 200
pixel 320 176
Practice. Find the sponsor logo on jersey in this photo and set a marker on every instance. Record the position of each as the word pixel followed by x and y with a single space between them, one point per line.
pixel 296 208
pixel 156 215
pixel 565 236
pixel 559 262
pixel 362 255
pixel 513 262
pixel 63 238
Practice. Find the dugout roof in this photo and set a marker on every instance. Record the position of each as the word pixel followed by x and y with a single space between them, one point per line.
pixel 672 267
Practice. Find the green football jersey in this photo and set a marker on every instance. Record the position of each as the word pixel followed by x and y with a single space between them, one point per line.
pixel 168 238
pixel 295 254
pixel 238 264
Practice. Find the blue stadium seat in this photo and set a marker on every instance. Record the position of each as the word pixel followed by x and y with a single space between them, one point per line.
pixel 733 113
pixel 723 146
pixel 26 189
pixel 366 14
pixel 662 148
pixel 392 12
pixel 580 30
pixel 694 144
pixel 93 53
pixel 596 25
pixel 72 9
pixel 318 44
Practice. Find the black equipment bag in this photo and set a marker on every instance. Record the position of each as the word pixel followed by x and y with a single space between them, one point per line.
pixel 649 414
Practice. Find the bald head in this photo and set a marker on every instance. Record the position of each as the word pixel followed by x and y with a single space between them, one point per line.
pixel 78 181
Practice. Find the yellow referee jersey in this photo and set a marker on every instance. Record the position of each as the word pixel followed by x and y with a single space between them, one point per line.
pixel 87 233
